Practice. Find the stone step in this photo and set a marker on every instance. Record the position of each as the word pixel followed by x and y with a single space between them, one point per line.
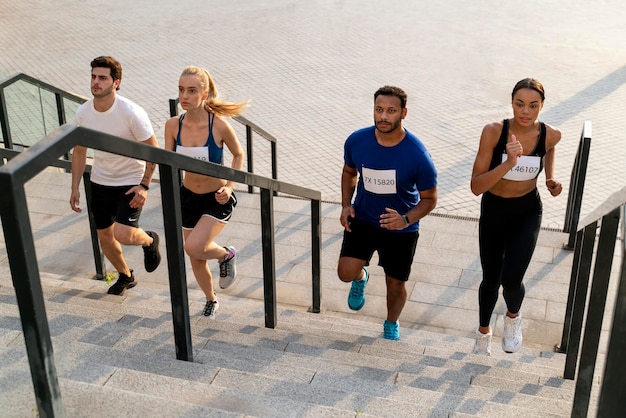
pixel 253 393
pixel 420 343
pixel 110 333
pixel 317 337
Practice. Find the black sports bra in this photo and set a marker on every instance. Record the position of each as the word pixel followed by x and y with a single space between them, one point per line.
pixel 539 151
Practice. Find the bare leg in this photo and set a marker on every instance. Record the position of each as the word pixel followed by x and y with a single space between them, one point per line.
pixel 112 250
pixel 350 269
pixel 128 235
pixel 396 298
pixel 200 247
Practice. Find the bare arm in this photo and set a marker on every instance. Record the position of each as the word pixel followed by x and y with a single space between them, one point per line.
pixel 150 167
pixel 349 178
pixel 229 138
pixel 484 179
pixel 554 186
pixel 140 192
pixel 79 161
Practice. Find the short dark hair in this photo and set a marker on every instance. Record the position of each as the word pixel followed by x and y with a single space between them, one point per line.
pixel 529 83
pixel 111 63
pixel 392 91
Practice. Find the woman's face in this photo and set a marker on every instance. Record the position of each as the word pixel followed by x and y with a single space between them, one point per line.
pixel 526 106
pixel 190 93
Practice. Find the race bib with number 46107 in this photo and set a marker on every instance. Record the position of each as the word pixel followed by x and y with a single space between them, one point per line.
pixel 527 168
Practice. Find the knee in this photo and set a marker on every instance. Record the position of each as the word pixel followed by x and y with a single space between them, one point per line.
pixel 191 250
pixel 396 288
pixel 347 273
pixel 106 237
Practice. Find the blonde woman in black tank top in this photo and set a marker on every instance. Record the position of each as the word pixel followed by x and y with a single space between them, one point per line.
pixel 207 203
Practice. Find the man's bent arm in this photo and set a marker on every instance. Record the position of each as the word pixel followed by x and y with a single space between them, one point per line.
pixel 428 201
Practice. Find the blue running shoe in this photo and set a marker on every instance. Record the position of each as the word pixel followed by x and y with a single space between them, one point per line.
pixel 356 297
pixel 391 330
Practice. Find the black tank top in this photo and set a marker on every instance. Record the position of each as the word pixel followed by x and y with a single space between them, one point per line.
pixel 500 148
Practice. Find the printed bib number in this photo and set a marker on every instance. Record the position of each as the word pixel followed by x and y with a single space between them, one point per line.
pixel 379 181
pixel 199 153
pixel 527 168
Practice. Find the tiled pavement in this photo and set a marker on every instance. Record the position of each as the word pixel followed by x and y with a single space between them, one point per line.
pixel 310 69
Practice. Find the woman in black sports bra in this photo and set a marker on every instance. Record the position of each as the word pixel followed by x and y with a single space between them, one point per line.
pixel 510 157
pixel 207 203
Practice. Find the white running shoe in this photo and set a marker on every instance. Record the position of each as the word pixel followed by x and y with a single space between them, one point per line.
pixel 512 338
pixel 483 343
pixel 228 268
pixel 210 308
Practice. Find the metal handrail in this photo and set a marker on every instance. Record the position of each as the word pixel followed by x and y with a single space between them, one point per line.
pixel 613 392
pixel 23 261
pixel 577 186
pixel 58 93
pixel 594 252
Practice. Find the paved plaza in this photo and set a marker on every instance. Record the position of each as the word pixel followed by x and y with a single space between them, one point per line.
pixel 310 69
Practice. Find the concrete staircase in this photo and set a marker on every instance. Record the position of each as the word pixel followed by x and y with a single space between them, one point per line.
pixel 115 357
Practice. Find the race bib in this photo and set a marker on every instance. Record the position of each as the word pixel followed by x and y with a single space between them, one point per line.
pixel 379 181
pixel 199 153
pixel 527 168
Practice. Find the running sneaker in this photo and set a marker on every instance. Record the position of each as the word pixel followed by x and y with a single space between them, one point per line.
pixel 356 297
pixel 228 268
pixel 151 254
pixel 483 343
pixel 210 308
pixel 512 338
pixel 391 330
pixel 123 282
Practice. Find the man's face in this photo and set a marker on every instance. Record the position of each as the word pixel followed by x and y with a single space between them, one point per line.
pixel 102 83
pixel 388 113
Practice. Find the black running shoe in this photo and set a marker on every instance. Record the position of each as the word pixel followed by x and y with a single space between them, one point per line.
pixel 151 254
pixel 123 282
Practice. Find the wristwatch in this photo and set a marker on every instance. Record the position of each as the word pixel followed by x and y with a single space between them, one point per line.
pixel 406 219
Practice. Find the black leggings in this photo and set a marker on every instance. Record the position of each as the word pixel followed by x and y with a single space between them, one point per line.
pixel 508 231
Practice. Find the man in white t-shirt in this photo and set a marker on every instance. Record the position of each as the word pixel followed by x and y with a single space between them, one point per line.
pixel 119 184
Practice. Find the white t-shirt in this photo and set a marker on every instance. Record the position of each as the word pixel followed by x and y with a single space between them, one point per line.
pixel 124 119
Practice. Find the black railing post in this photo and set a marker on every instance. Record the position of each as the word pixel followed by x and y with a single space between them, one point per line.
pixel 274 163
pixel 580 282
pixel 269 259
pixel 4 121
pixel 250 152
pixel 595 312
pixel 61 115
pixel 98 256
pixel 577 185
pixel 173 106
pixel 28 291
pixel 613 392
pixel 170 199
pixel 316 245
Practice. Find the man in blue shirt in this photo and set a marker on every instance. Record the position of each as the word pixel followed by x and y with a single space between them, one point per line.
pixel 396 186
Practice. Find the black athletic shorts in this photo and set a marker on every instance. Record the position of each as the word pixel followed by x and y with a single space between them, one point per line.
pixel 193 206
pixel 395 249
pixel 111 204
